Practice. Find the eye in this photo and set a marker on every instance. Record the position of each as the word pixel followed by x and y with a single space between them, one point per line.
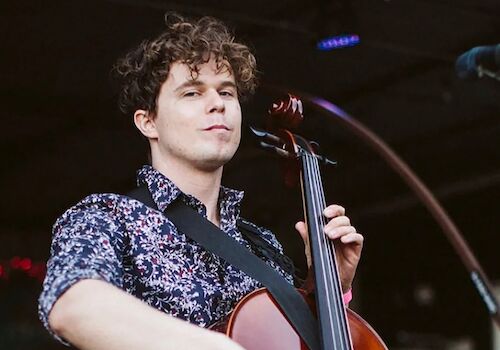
pixel 191 93
pixel 226 93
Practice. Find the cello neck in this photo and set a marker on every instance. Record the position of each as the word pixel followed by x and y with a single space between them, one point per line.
pixel 332 317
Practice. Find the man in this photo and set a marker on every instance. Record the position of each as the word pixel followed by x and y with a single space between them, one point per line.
pixel 120 275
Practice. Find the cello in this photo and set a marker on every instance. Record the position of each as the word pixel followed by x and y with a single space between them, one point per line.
pixel 257 322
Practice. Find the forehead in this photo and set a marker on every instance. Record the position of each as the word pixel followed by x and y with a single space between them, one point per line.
pixel 179 73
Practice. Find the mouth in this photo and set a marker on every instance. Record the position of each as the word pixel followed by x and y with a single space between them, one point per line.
pixel 217 127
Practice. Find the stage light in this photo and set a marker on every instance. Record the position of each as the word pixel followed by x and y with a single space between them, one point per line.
pixel 338 42
pixel 25 264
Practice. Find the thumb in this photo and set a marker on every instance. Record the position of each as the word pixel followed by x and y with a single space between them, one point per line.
pixel 302 229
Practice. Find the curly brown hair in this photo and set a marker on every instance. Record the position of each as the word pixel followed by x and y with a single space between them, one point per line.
pixel 143 70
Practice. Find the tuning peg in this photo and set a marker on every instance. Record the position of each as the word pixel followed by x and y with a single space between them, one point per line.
pixel 279 151
pixel 266 135
pixel 327 161
pixel 258 132
pixel 315 146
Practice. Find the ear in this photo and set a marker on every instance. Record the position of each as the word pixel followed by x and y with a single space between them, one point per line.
pixel 144 121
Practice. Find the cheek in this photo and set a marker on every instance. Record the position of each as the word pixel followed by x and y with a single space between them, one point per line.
pixel 237 117
pixel 176 125
pixel 238 134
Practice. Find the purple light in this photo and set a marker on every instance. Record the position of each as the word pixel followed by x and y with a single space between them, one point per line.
pixel 338 42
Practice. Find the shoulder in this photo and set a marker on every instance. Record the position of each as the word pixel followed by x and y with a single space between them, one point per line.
pixel 94 204
pixel 111 203
pixel 107 201
pixel 99 209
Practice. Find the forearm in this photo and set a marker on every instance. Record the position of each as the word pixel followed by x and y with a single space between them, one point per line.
pixel 95 315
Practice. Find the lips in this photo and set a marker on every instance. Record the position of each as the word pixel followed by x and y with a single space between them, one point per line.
pixel 216 127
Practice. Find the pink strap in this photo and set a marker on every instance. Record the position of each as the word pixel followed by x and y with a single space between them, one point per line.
pixel 347 297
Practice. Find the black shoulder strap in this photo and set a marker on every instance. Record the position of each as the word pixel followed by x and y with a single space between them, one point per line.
pixel 194 226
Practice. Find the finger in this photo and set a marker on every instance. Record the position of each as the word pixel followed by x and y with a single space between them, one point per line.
pixel 302 229
pixel 337 222
pixel 352 238
pixel 340 231
pixel 334 210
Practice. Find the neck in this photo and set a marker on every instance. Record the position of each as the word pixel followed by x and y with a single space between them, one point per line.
pixel 203 185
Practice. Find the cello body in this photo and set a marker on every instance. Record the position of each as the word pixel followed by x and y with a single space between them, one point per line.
pixel 257 323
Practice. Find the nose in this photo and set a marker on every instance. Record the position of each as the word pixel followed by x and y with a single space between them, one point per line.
pixel 215 103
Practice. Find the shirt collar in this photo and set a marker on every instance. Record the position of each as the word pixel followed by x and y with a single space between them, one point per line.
pixel 164 192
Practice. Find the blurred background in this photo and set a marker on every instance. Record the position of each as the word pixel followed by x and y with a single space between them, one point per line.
pixel 64 138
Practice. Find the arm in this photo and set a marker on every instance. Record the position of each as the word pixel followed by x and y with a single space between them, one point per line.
pixel 82 300
pixel 94 314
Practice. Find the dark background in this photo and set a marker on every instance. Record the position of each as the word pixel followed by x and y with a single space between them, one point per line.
pixel 64 138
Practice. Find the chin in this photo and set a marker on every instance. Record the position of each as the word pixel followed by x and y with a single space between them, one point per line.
pixel 212 162
pixel 210 165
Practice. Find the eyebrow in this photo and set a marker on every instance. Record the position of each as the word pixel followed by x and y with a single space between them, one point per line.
pixel 198 83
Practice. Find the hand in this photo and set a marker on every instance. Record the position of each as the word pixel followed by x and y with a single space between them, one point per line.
pixel 348 243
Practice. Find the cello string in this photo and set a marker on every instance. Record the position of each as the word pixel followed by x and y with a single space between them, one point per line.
pixel 333 280
pixel 316 217
pixel 336 326
pixel 344 331
pixel 344 328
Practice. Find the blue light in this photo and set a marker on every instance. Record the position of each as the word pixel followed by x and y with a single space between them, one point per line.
pixel 338 42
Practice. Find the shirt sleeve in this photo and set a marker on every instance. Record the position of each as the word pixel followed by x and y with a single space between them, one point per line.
pixel 87 243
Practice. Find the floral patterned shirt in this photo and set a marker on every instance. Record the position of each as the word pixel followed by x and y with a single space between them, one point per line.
pixel 122 241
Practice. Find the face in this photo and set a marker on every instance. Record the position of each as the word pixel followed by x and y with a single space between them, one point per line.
pixel 198 121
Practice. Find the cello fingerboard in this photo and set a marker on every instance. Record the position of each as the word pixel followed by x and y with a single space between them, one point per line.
pixel 332 317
